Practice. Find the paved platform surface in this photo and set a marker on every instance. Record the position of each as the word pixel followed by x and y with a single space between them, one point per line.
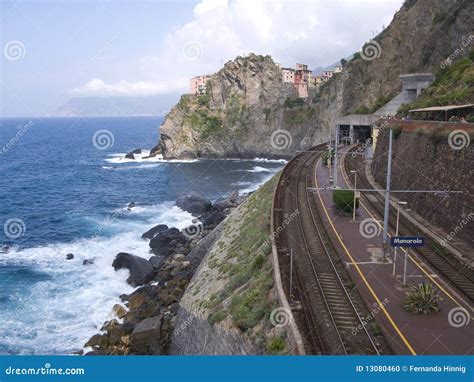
pixel 450 331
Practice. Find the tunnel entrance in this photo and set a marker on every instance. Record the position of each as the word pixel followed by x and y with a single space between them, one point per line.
pixel 361 133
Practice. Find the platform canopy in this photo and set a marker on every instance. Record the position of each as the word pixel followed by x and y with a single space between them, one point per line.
pixel 443 113
pixel 443 108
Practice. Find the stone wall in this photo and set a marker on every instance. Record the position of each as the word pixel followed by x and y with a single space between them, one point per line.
pixel 423 159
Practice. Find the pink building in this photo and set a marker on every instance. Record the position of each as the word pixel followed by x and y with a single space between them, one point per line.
pixel 301 67
pixel 302 80
pixel 198 84
pixel 302 89
pixel 327 74
pixel 288 75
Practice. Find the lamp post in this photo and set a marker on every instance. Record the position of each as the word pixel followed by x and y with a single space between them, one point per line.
pixel 330 159
pixel 405 260
pixel 396 234
pixel 355 187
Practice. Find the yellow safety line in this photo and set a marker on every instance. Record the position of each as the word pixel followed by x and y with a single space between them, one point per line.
pixel 408 254
pixel 410 348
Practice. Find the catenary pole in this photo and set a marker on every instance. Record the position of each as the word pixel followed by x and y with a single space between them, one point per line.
pixel 387 197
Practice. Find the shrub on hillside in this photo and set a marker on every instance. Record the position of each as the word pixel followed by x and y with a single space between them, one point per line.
pixel 344 199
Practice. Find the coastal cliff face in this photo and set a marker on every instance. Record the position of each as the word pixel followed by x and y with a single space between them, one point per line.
pixel 227 307
pixel 421 37
pixel 247 101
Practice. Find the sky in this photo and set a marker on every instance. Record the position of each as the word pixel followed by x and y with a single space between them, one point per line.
pixel 55 50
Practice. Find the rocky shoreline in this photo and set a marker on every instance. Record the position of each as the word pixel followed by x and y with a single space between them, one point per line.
pixel 145 321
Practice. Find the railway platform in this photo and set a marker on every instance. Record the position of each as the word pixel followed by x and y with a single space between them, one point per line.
pixel 359 243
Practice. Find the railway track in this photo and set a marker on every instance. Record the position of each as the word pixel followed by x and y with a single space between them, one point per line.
pixel 331 315
pixel 458 275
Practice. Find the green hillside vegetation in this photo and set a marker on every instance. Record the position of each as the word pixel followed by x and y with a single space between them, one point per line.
pixel 454 85
pixel 241 258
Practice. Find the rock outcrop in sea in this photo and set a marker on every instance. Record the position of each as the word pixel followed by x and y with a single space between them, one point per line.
pixel 145 322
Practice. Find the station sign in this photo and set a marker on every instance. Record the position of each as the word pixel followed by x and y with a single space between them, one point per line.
pixel 407 241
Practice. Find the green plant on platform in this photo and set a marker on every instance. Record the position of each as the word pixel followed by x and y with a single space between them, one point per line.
pixel 344 199
pixel 422 299
pixel 326 155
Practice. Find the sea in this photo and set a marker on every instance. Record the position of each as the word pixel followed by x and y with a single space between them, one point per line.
pixel 65 187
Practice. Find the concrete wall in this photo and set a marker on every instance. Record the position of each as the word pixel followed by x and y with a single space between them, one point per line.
pixel 420 163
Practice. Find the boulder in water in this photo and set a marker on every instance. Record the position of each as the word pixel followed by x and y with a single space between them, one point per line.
pixel 141 271
pixel 168 242
pixel 131 154
pixel 69 256
pixel 194 203
pixel 151 233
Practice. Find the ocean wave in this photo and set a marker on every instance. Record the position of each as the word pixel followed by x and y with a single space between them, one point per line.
pixel 242 183
pixel 264 160
pixel 58 313
pixel 119 158
pixel 270 160
pixel 259 169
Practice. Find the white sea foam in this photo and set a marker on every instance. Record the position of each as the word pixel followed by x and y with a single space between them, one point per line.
pixel 270 160
pixel 119 158
pixel 265 160
pixel 61 312
pixel 259 169
pixel 242 183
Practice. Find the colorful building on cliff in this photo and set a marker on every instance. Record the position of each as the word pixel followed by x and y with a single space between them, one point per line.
pixel 198 84
pixel 302 80
pixel 288 75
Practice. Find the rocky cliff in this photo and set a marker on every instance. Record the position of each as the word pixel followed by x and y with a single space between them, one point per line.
pixel 421 37
pixel 247 101
pixel 229 304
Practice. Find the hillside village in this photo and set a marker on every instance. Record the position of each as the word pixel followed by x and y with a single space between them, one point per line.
pixel 301 77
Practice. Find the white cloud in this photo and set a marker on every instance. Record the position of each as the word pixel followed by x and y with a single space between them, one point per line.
pixel 127 88
pixel 317 32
